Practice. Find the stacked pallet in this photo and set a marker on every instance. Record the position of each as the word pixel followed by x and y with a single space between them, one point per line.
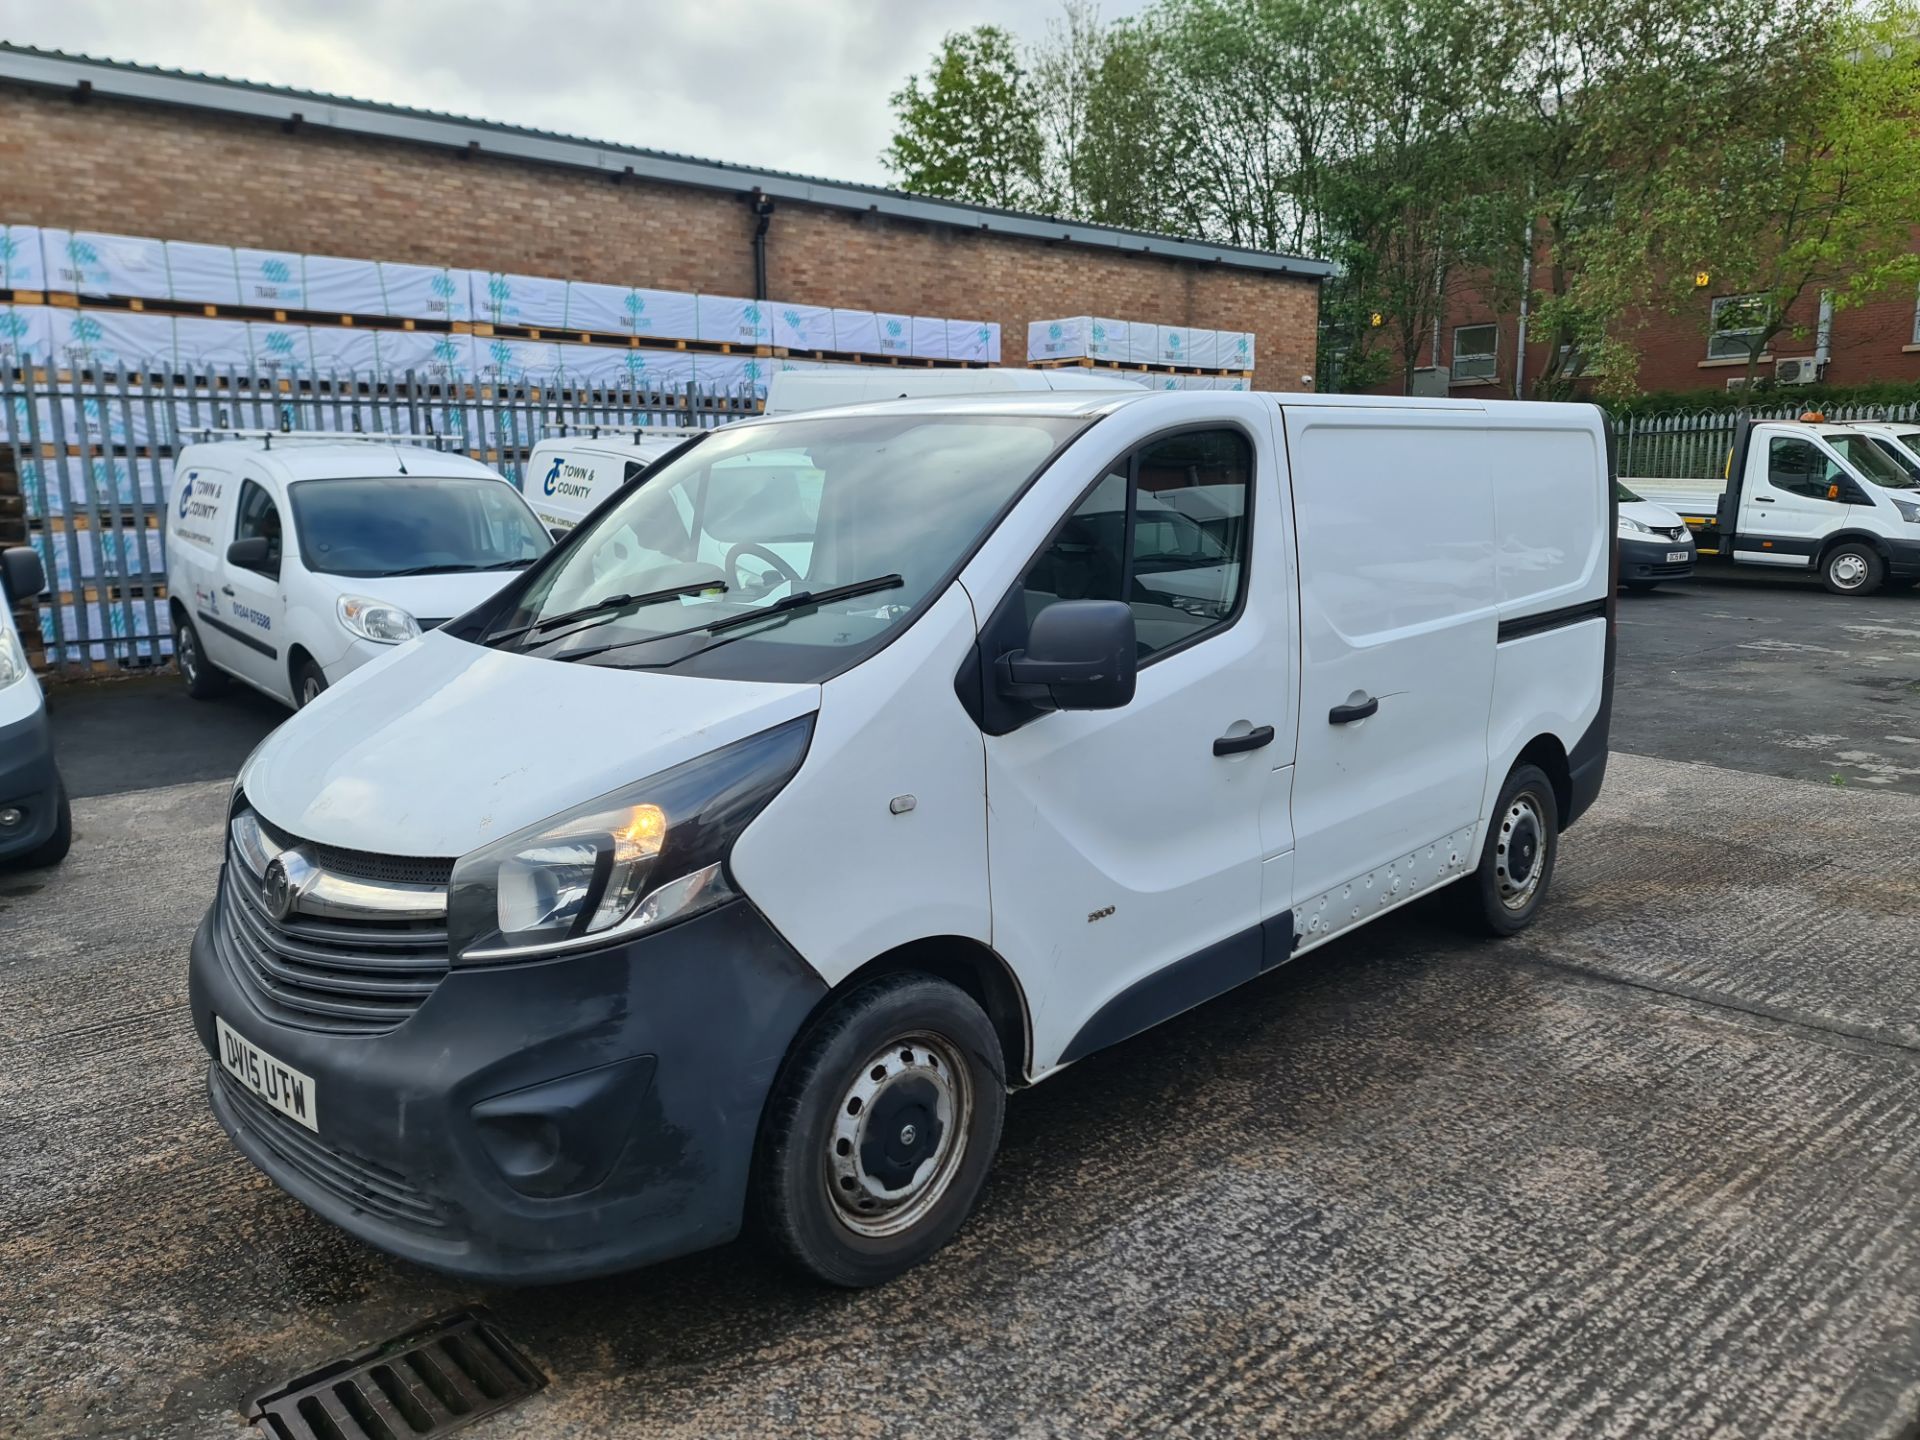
pixel 1172 357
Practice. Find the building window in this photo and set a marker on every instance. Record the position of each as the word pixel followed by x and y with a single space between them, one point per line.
pixel 1475 350
pixel 1737 319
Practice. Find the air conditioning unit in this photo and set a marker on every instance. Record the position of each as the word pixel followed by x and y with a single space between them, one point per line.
pixel 1801 370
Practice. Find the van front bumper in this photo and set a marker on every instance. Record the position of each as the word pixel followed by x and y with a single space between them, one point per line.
pixel 1903 558
pixel 533 1122
pixel 29 783
pixel 1647 559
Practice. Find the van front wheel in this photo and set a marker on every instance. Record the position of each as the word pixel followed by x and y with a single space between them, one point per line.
pixel 1853 569
pixel 880 1130
pixel 203 681
pixel 1516 863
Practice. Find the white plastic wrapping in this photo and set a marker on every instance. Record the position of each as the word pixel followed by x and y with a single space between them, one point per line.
pixel 535 301
pixel 856 331
pixel 271 279
pixel 731 374
pixel 1240 355
pixel 1173 345
pixel 282 350
pixel 426 292
pixel 596 366
pixel 628 310
pixel 202 274
pixel 666 370
pixel 896 334
pixel 993 342
pixel 1203 349
pixel 517 362
pixel 109 339
pixel 968 340
pixel 343 286
pixel 929 337
pixel 199 343
pixel 340 351
pixel 21 265
pixel 803 327
pixel 1143 343
pixel 731 320
pixel 89 262
pixel 1060 339
pixel 115 630
pixel 26 332
pixel 398 352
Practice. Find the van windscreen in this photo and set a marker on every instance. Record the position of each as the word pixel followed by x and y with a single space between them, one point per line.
pixel 417 525
pixel 709 567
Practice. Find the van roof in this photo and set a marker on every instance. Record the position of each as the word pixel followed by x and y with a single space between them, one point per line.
pixel 1095 402
pixel 321 459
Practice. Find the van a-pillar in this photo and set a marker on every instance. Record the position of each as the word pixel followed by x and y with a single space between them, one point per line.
pixel 762 204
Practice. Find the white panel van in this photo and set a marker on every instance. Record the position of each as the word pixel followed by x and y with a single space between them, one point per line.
pixel 294 559
pixel 566 476
pixel 733 862
pixel 36 823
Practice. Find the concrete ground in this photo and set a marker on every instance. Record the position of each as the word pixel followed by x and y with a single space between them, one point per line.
pixel 1651 1168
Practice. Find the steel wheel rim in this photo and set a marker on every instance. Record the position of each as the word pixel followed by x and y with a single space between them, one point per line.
pixel 1520 852
pixel 911 1079
pixel 310 689
pixel 1849 571
pixel 188 653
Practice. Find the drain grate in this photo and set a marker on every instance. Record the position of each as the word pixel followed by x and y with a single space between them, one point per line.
pixel 428 1382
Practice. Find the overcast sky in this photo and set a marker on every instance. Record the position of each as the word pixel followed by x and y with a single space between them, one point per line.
pixel 789 84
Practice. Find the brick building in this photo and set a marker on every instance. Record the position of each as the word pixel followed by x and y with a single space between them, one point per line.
pixel 91 145
pixel 1878 340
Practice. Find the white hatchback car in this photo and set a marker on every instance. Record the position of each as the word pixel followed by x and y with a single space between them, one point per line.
pixel 292 560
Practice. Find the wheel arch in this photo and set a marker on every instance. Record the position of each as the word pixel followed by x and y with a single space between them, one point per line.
pixel 1843 537
pixel 298 655
pixel 1546 751
pixel 974 968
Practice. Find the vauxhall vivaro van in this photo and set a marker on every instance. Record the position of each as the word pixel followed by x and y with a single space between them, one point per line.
pixel 293 559
pixel 661 893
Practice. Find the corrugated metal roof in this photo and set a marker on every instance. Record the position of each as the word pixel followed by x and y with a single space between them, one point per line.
pixel 157 85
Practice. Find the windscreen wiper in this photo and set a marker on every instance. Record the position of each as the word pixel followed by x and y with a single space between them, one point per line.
pixel 445 569
pixel 609 603
pixel 780 609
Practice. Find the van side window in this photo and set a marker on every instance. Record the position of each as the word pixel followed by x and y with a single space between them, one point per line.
pixel 1165 530
pixel 1799 467
pixel 259 516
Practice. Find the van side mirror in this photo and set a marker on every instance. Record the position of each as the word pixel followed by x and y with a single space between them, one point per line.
pixel 253 553
pixel 559 532
pixel 1080 655
pixel 22 576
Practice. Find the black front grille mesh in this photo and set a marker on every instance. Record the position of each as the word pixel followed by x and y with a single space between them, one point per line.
pixel 364 865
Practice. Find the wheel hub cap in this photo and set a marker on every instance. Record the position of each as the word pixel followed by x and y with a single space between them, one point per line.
pixel 1849 570
pixel 1517 852
pixel 898 1135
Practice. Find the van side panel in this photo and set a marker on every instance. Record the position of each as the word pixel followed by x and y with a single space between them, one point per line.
pixel 1552 499
pixel 840 874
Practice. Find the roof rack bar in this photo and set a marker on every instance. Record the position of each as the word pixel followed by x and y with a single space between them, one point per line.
pixel 594 429
pixel 390 437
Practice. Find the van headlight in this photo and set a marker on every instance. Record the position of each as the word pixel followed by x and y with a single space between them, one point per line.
pixel 13 660
pixel 1909 512
pixel 376 620
pixel 644 856
pixel 1630 526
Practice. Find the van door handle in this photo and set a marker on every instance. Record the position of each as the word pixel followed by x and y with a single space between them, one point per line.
pixel 1347 714
pixel 1763 499
pixel 227 590
pixel 1240 744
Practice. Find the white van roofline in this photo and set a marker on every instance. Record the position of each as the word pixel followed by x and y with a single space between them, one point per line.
pixel 789 391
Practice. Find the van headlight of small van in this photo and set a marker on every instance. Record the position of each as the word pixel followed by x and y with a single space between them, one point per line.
pixel 376 620
pixel 634 860
pixel 1909 511
pixel 13 660
pixel 1630 526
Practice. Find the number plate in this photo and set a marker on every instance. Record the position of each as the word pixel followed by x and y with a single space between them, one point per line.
pixel 280 1085
pixel 1674 557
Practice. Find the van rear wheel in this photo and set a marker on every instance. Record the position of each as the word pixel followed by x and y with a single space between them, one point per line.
pixel 203 681
pixel 1516 862
pixel 880 1131
pixel 1853 568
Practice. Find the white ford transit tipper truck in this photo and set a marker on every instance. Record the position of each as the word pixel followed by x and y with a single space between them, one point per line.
pixel 656 894
pixel 1803 495
pixel 292 558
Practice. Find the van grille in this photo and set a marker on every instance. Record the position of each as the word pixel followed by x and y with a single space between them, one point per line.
pixel 368 1187
pixel 346 976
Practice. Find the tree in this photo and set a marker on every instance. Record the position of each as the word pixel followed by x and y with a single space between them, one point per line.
pixel 970 131
pixel 1818 192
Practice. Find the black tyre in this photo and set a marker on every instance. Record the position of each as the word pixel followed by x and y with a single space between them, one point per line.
pixel 1637 586
pixel 203 681
pixel 309 684
pixel 1852 568
pixel 1516 863
pixel 880 1131
pixel 54 849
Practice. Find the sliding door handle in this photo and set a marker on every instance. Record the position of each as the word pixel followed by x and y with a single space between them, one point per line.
pixel 1347 714
pixel 1240 744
